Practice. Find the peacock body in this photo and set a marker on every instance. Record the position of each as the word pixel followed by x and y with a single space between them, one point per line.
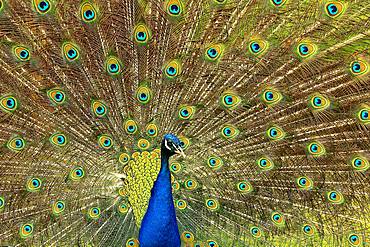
pixel 269 100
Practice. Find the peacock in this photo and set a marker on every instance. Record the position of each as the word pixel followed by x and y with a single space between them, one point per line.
pixel 192 123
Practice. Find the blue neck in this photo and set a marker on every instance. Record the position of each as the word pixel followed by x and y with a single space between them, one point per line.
pixel 159 225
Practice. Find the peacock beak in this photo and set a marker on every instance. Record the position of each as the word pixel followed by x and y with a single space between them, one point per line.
pixel 180 151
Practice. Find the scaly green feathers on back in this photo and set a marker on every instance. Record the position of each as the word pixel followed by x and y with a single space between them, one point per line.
pixel 270 98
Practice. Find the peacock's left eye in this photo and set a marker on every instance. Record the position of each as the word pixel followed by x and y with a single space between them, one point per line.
pixel 88 12
pixel 277 219
pixel 105 141
pixel 70 52
pixel 334 9
pixel 22 53
pixel 26 230
pixel 335 197
pixel 77 173
pixel 33 184
pixel 42 6
pixel 16 144
pixel 58 139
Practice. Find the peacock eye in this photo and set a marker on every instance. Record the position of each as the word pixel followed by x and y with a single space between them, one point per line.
pixel 8 103
pixel 229 100
pixel 308 230
pixel 181 204
pixel 172 69
pixel 271 96
pixel 105 141
pixel 244 187
pixel 334 9
pixel 212 243
pixel 58 139
pixel 212 204
pixel 132 243
pixel 143 94
pixel 58 207
pixel 130 127
pixel 354 239
pixel 26 230
pixel 257 47
pixel 88 12
pixel 191 184
pixel 113 66
pixel 70 51
pixel 186 112
pixel 277 219
pixel 360 163
pixel 2 203
pixel 187 237
pixel 304 183
pixel 255 231
pixel 306 49
pixel 229 132
pixel 56 96
pixel 142 34
pixel 21 53
pixel 335 197
pixel 174 7
pixel 123 209
pixel 99 108
pixel 316 149
pixel 214 52
pixel 33 184
pixel 265 163
pixel 278 3
pixel 94 213
pixel 16 144
pixel 77 173
pixel 275 133
pixel 42 6
pixel 359 67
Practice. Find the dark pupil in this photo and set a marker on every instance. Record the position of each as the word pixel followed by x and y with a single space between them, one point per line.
pixel 314 148
pixel 210 203
pixel 273 132
pixel 143 96
pixel 317 101
pixel 113 67
pixel 277 217
pixel 106 142
pixel 356 67
pixel 212 244
pixel 185 112
pixel 171 70
pixel 303 181
pixel 151 131
pixel 131 127
pixel 304 49
pixel 190 183
pixel 43 5
pixel 174 8
pixel 212 52
pixel 59 205
pixel 333 9
pixel 100 109
pixel 333 195
pixel 78 172
pixel 89 14
pixel 18 143
pixel 256 46
pixel 187 235
pixel 213 161
pixel 228 131
pixel 27 228
pixel 182 144
pixel 58 96
pixel 365 114
pixel 9 102
pixel 141 35
pixel 307 229
pixel 229 100
pixel 95 211
pixel 60 139
pixel 269 96
pixel 358 162
pixel 71 53
pixel 263 162
pixel 278 1
pixel 353 238
pixel 23 54
pixel 242 186
pixel 255 231
pixel 35 183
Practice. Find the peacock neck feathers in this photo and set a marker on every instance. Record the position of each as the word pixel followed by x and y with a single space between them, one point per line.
pixel 159 225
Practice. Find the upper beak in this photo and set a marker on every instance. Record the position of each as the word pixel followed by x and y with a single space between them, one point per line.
pixel 180 151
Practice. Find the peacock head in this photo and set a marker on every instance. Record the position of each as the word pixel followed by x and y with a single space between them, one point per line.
pixel 171 145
